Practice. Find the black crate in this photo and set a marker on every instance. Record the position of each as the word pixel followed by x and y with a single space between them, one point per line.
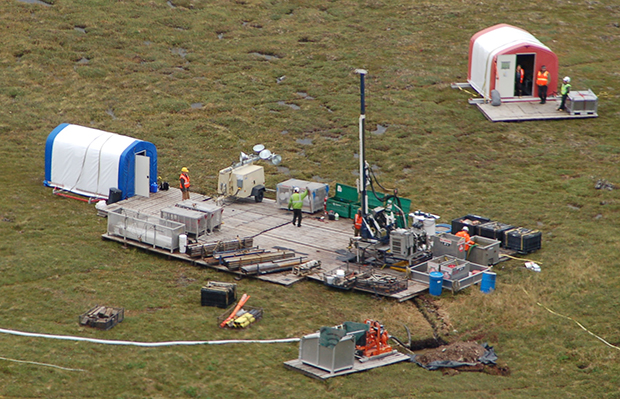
pixel 115 195
pixel 473 222
pixel 523 240
pixel 495 231
pixel 218 294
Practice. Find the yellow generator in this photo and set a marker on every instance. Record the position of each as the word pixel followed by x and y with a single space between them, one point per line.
pixel 244 179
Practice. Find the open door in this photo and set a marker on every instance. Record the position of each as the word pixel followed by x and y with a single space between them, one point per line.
pixel 143 166
pixel 506 67
pixel 527 63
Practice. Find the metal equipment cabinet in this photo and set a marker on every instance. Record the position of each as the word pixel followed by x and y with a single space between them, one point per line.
pixel 214 212
pixel 195 222
pixel 314 200
pixel 582 103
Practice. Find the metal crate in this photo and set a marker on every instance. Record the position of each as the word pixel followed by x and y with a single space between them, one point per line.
pixel 314 200
pixel 582 103
pixel 147 229
pixel 449 244
pixel 214 212
pixel 195 222
pixel 469 275
pixel 471 221
pixel 486 252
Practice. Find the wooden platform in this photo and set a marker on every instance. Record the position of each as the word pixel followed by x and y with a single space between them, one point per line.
pixel 527 110
pixel 358 366
pixel 271 228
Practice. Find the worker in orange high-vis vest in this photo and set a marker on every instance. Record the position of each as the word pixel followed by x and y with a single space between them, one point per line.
pixel 465 234
pixel 542 81
pixel 184 179
pixel 519 75
pixel 357 222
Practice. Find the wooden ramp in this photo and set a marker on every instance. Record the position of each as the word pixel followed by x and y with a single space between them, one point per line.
pixel 527 110
pixel 271 229
pixel 358 366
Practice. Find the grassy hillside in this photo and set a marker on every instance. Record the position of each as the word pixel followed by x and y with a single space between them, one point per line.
pixel 203 80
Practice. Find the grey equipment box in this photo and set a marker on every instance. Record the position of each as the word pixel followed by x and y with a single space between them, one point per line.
pixel 340 357
pixel 214 212
pixel 147 229
pixel 449 244
pixel 582 103
pixel 485 253
pixel 468 273
pixel 195 222
pixel 313 202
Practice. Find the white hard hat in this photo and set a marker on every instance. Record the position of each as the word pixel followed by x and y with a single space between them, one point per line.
pixel 566 79
pixel 465 228
pixel 296 189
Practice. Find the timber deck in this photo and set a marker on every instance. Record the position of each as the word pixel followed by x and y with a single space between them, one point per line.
pixel 271 228
pixel 528 110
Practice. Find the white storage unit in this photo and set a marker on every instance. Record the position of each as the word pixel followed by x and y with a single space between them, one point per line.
pixel 313 202
pixel 145 228
pixel 195 222
pixel 214 212
pixel 337 358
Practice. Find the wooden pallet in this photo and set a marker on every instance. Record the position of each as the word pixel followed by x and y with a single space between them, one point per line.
pixel 358 366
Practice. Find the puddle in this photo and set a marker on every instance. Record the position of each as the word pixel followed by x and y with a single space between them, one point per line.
pixel 170 4
pixel 284 170
pixel 268 57
pixel 111 113
pixel 380 130
pixel 80 29
pixel 83 61
pixel 179 51
pixel 147 43
pixel 304 95
pixel 304 141
pixel 41 3
pixel 284 132
pixel 294 106
pixel 356 156
pixel 196 105
pixel 220 36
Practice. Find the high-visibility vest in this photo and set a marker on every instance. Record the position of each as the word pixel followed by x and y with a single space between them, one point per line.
pixel 520 72
pixel 184 180
pixel 542 78
pixel 358 221
pixel 467 238
pixel 297 200
pixel 565 89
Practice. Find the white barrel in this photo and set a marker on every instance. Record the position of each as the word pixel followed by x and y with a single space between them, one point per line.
pixel 182 243
pixel 429 226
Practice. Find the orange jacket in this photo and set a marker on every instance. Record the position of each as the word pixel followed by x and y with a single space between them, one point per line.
pixel 468 241
pixel 521 74
pixel 184 180
pixel 542 78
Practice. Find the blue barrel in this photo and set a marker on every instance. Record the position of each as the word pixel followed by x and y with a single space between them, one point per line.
pixel 153 187
pixel 487 285
pixel 435 283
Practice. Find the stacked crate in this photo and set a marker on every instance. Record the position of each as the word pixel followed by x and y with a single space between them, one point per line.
pixel 218 294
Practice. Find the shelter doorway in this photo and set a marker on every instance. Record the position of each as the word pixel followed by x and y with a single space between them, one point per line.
pixel 527 62
pixel 143 164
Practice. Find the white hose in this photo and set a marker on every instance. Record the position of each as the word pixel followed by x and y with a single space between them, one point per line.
pixel 150 344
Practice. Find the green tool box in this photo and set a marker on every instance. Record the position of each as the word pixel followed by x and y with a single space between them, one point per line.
pixel 343 209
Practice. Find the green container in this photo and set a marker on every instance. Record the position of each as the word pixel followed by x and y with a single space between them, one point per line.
pixel 346 193
pixel 373 202
pixel 343 209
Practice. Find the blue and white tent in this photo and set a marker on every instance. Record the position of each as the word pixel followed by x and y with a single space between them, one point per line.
pixel 90 162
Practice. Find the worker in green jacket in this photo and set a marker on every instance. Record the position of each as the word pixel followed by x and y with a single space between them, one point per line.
pixel 564 90
pixel 296 202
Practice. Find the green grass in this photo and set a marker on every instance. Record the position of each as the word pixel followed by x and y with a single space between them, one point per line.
pixel 148 62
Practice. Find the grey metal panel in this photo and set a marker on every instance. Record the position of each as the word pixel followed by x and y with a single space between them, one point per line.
pixel 471 274
pixel 145 228
pixel 340 357
pixel 214 212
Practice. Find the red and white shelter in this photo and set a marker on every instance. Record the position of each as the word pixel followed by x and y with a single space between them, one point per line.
pixel 494 54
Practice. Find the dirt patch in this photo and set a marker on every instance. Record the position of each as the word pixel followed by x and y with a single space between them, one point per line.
pixel 464 352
